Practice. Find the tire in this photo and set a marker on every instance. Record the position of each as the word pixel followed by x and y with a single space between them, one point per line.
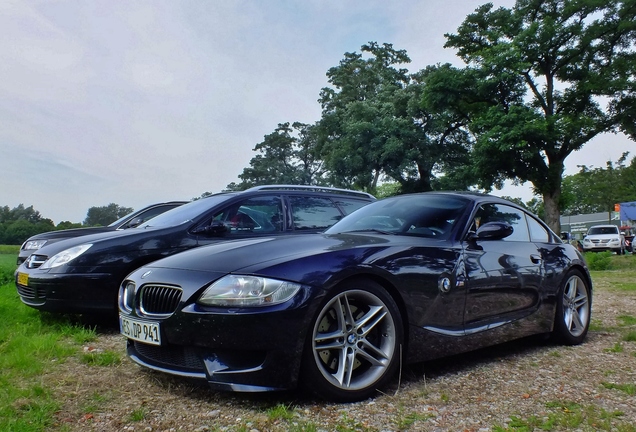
pixel 354 344
pixel 573 311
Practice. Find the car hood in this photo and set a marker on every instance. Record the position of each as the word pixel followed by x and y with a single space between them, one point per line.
pixel 70 233
pixel 101 238
pixel 256 255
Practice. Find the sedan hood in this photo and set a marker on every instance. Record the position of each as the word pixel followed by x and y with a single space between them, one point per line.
pixel 99 237
pixel 256 254
pixel 70 233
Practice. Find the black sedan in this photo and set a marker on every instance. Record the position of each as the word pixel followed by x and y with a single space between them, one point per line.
pixel 408 278
pixel 131 220
pixel 82 275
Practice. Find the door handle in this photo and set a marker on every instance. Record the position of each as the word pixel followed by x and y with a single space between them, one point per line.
pixel 536 259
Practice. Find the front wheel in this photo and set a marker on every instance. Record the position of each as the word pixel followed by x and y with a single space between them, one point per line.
pixel 574 308
pixel 353 347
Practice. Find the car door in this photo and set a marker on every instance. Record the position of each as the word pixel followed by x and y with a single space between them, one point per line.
pixel 503 277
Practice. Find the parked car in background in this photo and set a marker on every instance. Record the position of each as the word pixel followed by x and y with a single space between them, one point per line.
pixel 82 275
pixel 131 220
pixel 604 238
pixel 404 279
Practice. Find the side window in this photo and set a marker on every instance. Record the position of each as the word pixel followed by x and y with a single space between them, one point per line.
pixel 256 215
pixel 503 213
pixel 313 213
pixel 155 211
pixel 537 232
pixel 349 206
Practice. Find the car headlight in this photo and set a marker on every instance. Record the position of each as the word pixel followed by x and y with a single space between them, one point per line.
pixel 247 291
pixel 33 244
pixel 65 256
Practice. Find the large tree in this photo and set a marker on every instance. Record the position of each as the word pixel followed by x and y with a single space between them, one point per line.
pixel 285 156
pixel 564 72
pixel 598 189
pixel 105 215
pixel 376 123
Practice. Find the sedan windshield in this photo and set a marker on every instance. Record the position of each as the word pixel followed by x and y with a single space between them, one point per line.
pixel 186 212
pixel 420 215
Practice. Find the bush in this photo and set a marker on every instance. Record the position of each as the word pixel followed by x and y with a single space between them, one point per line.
pixel 599 260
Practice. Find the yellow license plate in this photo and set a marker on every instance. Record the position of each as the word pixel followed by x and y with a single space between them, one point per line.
pixel 23 279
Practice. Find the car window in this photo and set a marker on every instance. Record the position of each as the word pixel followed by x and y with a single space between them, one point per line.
pixel 187 212
pixel 311 213
pixel 538 233
pixel 603 230
pixel 149 214
pixel 256 215
pixel 348 206
pixel 416 215
pixel 503 213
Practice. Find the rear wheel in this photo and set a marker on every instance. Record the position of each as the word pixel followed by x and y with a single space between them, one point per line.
pixel 573 313
pixel 354 344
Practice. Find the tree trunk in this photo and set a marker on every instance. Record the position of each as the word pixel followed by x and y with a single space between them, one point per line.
pixel 552 213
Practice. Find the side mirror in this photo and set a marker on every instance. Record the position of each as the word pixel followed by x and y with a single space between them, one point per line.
pixel 135 222
pixel 493 231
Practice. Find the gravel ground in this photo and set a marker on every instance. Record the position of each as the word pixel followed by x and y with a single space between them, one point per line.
pixel 521 386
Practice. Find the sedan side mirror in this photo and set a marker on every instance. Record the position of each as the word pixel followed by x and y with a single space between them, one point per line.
pixel 492 231
pixel 135 222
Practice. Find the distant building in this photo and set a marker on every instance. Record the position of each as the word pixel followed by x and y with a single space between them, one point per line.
pixel 577 225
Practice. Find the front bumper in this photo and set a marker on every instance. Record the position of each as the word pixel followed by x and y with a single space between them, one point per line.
pixel 245 352
pixel 68 293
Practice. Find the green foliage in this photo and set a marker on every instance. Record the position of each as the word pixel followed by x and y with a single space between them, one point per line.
pixel 552 75
pixel 105 215
pixel 30 343
pixel 595 190
pixel 599 260
pixel 568 416
pixel 286 156
pixel 9 249
pixel 106 358
pixel 630 388
pixel 280 412
pixel 138 414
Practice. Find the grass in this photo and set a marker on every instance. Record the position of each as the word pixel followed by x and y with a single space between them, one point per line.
pixel 562 415
pixel 30 342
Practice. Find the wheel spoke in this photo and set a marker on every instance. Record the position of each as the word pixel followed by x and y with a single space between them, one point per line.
pixel 576 319
pixel 372 354
pixel 368 322
pixel 354 340
pixel 329 340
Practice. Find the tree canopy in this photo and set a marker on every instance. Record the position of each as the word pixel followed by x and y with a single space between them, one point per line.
pixel 105 215
pixel 562 72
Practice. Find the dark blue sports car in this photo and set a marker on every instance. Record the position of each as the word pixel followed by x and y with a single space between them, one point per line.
pixel 404 279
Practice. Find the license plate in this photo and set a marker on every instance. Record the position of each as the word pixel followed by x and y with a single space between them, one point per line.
pixel 23 279
pixel 142 331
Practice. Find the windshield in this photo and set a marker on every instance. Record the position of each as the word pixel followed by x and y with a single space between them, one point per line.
pixel 120 220
pixel 419 214
pixel 186 212
pixel 603 230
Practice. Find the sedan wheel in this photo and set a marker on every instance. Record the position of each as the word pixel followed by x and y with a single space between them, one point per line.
pixel 573 310
pixel 353 348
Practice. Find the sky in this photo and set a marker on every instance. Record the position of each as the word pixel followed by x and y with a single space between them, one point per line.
pixel 113 101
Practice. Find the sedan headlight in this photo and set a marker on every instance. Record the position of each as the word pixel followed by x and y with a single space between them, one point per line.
pixel 65 256
pixel 33 244
pixel 248 291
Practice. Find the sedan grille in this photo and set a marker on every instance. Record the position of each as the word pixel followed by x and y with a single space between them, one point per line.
pixel 159 299
pixel 31 293
pixel 35 261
